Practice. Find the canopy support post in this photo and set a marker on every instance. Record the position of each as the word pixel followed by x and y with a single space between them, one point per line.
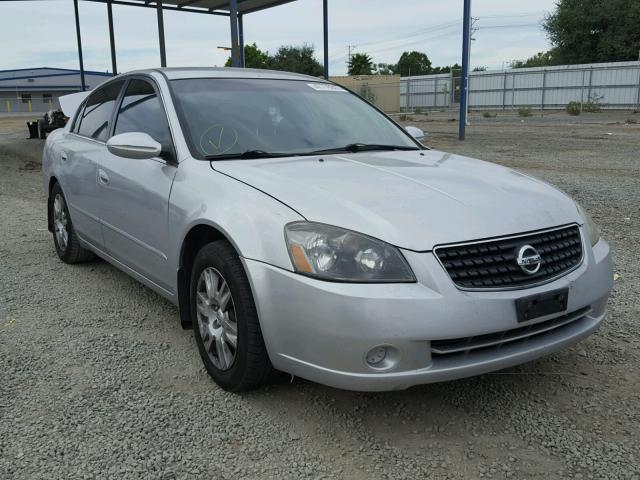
pixel 112 41
pixel 464 78
pixel 325 32
pixel 235 46
pixel 82 82
pixel 241 35
pixel 163 53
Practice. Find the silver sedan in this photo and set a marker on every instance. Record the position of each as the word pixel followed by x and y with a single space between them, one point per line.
pixel 299 229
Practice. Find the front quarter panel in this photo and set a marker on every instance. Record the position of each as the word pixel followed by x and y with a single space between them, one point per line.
pixel 251 220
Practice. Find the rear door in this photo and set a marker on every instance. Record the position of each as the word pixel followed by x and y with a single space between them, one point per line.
pixel 80 150
pixel 134 194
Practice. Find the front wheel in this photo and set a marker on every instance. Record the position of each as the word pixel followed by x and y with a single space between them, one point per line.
pixel 227 329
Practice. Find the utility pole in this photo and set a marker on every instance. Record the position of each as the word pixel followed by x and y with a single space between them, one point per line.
pixel 350 47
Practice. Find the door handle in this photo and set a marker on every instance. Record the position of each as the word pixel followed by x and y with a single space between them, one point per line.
pixel 63 156
pixel 103 177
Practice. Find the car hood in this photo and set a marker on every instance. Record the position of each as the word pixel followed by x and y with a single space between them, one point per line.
pixel 414 200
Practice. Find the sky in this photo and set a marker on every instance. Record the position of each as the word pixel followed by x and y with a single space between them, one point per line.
pixel 41 33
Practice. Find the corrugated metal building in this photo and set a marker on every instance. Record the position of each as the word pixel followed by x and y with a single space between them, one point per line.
pixel 38 89
pixel 613 85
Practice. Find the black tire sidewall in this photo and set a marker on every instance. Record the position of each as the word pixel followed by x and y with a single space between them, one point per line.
pixel 218 255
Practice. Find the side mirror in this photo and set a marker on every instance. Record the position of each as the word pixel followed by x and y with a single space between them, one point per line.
pixel 135 145
pixel 415 132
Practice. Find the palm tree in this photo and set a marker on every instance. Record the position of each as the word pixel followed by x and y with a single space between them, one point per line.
pixel 360 64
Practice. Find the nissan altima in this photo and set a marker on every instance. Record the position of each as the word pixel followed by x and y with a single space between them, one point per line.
pixel 299 229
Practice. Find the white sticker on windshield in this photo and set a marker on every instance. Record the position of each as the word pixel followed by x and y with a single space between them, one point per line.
pixel 326 87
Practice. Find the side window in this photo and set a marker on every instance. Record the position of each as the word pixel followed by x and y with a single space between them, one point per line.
pixel 78 116
pixel 95 118
pixel 142 111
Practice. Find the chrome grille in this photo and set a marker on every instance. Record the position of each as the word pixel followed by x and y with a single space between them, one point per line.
pixel 492 263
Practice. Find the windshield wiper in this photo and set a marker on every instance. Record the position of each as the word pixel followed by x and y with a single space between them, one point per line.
pixel 246 155
pixel 362 147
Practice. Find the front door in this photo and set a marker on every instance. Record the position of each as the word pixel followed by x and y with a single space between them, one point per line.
pixel 135 193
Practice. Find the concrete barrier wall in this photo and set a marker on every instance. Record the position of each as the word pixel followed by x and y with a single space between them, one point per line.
pixel 381 90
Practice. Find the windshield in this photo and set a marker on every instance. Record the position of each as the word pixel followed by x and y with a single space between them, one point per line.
pixel 222 117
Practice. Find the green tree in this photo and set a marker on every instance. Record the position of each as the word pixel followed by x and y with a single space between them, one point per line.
pixel 413 63
pixel 384 69
pixel 447 69
pixel 299 59
pixel 540 59
pixel 360 64
pixel 253 57
pixel 585 31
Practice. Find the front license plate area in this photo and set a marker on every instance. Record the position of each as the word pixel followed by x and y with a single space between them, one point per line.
pixel 542 304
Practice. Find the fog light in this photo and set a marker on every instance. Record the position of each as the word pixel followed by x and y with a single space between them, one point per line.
pixel 376 356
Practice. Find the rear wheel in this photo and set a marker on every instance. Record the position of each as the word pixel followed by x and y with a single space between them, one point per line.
pixel 65 239
pixel 227 329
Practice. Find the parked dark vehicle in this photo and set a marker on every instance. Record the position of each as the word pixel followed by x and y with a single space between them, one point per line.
pixel 50 121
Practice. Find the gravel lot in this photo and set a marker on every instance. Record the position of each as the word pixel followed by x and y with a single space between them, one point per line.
pixel 97 379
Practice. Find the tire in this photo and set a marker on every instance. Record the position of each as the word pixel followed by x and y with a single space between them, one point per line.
pixel 41 131
pixel 246 365
pixel 65 238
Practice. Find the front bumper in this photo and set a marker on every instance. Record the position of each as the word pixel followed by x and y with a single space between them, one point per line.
pixel 322 331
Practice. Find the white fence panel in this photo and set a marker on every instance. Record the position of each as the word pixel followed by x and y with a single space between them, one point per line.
pixel 613 85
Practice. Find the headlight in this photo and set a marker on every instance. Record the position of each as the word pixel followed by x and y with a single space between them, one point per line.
pixel 332 253
pixel 590 226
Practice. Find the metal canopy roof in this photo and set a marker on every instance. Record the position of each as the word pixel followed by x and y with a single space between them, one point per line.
pixel 244 6
pixel 216 7
pixel 235 10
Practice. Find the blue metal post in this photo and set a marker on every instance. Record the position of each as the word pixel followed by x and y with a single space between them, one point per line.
pixel 325 34
pixel 235 44
pixel 464 79
pixel 241 41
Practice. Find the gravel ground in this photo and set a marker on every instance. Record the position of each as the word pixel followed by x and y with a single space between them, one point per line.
pixel 97 380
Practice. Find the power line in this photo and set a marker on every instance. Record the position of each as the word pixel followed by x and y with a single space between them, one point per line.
pixel 516 15
pixel 414 33
pixel 425 34
pixel 510 26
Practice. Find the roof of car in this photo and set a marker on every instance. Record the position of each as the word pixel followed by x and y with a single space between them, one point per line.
pixel 177 73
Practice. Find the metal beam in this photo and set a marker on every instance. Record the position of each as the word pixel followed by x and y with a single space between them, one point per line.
pixel 271 5
pixel 163 53
pixel 112 40
pixel 80 61
pixel 241 40
pixel 187 3
pixel 131 3
pixel 325 32
pixel 464 78
pixel 235 45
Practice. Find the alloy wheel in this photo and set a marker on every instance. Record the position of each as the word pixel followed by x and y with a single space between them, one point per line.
pixel 60 222
pixel 217 318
